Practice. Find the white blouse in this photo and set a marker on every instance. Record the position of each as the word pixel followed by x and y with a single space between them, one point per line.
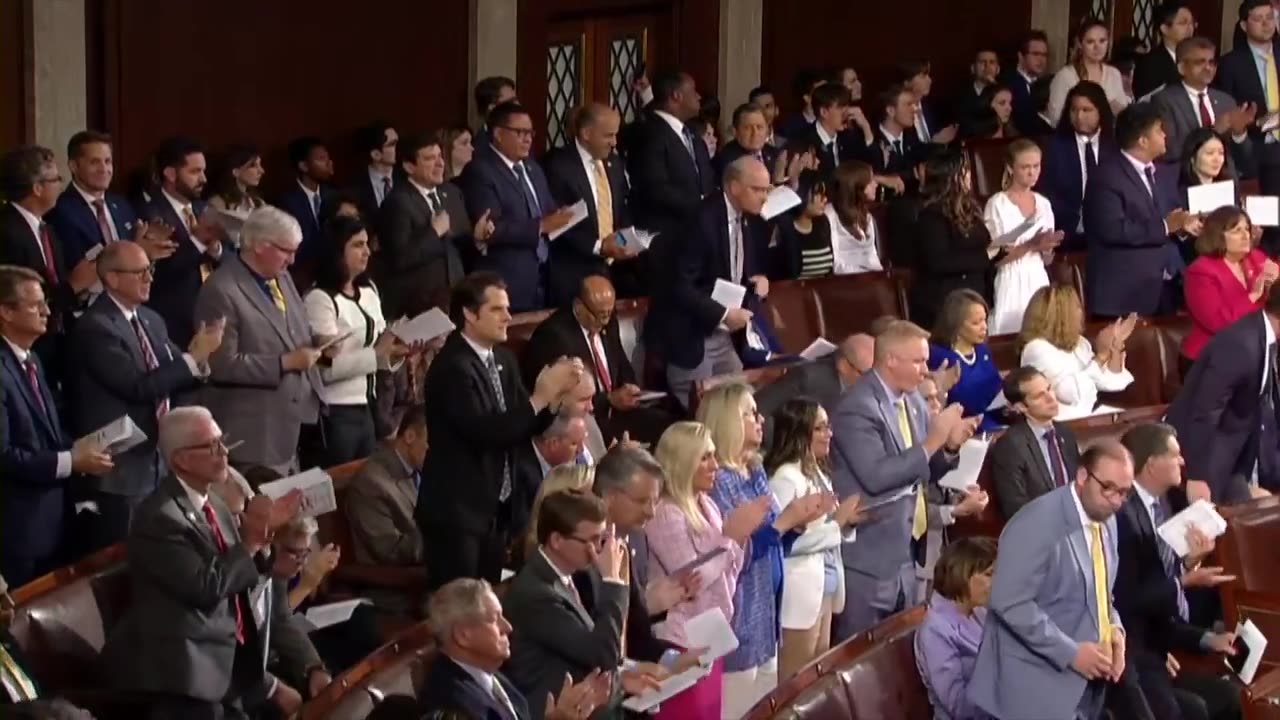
pixel 1076 377
pixel 853 254
pixel 1067 78
pixel 1002 216
pixel 803 568
pixel 346 380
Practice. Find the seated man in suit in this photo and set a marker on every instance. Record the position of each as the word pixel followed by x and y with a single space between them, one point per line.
pixel 1131 212
pixel 824 379
pixel 1149 588
pixel 377 143
pixel 128 366
pixel 1037 454
pixel 264 374
pixel 750 137
pixel 189 637
pixel 1053 640
pixel 508 187
pixel 587 170
pixel 86 213
pixel 885 446
pixel 38 456
pixel 763 98
pixel 670 171
pixel 306 199
pixel 1190 103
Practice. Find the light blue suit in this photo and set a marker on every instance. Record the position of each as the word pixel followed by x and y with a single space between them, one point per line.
pixel 1042 606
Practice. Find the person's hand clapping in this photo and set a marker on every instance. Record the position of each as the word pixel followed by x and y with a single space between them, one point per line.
pixel 746 519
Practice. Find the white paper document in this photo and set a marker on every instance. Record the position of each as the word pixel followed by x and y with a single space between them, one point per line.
pixel 781 199
pixel 119 436
pixel 316 487
pixel 650 395
pixel 579 213
pixel 1250 645
pixel 322 616
pixel 909 490
pixel 709 630
pixel 1199 514
pixel 637 237
pixel 972 454
pixel 427 326
pixel 730 295
pixel 819 348
pixel 1263 210
pixel 1016 232
pixel 1207 198
pixel 1270 122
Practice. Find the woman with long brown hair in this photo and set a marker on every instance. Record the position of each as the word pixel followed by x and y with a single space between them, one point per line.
pixel 1088 62
pixel 951 239
pixel 854 236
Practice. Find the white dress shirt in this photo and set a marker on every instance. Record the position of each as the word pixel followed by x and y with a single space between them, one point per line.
pixel 312 197
pixel 589 165
pixel 511 165
pixel 1086 522
pixel 677 126
pixel 828 141
pixel 34 222
pixel 197 499
pixel 379 190
pixel 63 470
pixel 1195 96
pixel 181 208
pixel 431 195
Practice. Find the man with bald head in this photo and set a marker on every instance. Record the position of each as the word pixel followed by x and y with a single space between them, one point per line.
pixel 824 379
pixel 588 170
pixel 128 366
pixel 726 240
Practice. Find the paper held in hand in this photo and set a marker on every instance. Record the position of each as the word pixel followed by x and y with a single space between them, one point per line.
pixel 1249 646
pixel 1263 210
pixel 322 616
pixel 780 200
pixel 972 454
pixel 1207 198
pixel 578 214
pixel 1199 514
pixel 730 295
pixel 119 436
pixel 709 630
pixel 630 236
pixel 819 348
pixel 316 487
pixel 427 326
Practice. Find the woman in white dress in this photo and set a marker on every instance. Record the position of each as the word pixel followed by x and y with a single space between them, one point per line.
pixel 855 239
pixel 1053 342
pixel 1089 62
pixel 1020 221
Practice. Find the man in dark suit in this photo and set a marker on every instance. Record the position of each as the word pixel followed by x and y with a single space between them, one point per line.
pixel 827 133
pixel 478 411
pixel 1160 66
pixel 1149 588
pixel 1189 103
pixel 917 76
pixel 1243 74
pixel 670 170
pixel 489 93
pixel 377 143
pixel 1226 411
pixel 983 71
pixel 824 379
pixel 128 366
pixel 1131 213
pixel 1033 60
pixel 306 199
pixel 86 214
pixel 36 453
pixel 1037 454
pixel 178 278
pixel 507 186
pixel 587 170
pixel 896 150
pixel 726 241
pixel 1071 154
pixel 750 137
pixel 423 223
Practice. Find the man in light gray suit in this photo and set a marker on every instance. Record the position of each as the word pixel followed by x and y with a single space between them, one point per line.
pixel 886 449
pixel 264 375
pixel 1053 639
pixel 1192 104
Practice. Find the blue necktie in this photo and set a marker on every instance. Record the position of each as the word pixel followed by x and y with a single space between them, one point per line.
pixel 417 480
pixel 689 140
pixel 315 205
pixel 534 207
pixel 1168 558
pixel 581 459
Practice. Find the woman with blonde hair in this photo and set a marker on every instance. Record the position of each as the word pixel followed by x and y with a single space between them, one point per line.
pixel 562 478
pixel 1053 342
pixel 855 239
pixel 1089 62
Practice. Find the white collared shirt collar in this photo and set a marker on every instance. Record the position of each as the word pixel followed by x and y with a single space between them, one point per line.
pixel 1030 80
pixel 735 215
pixel 1140 166
pixel 32 219
pixel 890 136
pixel 1173 53
pixel 677 125
pixel 311 194
pixel 511 164
pixel 1147 500
pixel 893 395
pixel 1085 520
pixel 426 192
pixel 484 353
pixel 586 157
pixel 197 500
pixel 483 678
pixel 128 314
pixel 89 197
pixel 566 579
pixel 22 354
pixel 823 136
pixel 1195 95
pixel 178 209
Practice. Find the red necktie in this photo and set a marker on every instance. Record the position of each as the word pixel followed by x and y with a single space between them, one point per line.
pixel 46 246
pixel 104 225
pixel 222 548
pixel 1205 119
pixel 33 377
pixel 597 356
pixel 148 360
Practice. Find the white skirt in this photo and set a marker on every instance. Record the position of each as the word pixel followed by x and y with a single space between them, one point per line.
pixel 1015 283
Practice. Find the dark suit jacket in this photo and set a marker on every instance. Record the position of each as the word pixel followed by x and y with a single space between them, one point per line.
pixel 731 151
pixel 572 254
pixel 884 161
pixel 1019 469
pixel 1181 116
pixel 76 223
pixel 1062 180
pixel 552 635
pixel 32 501
pixel 450 688
pixel 178 278
pixel 1129 250
pixel 1024 113
pixel 294 201
pixel 1154 69
pixel 642 644
pixel 20 246
pixel 113 381
pixel 414 261
pixel 1219 415
pixel 367 198
pixel 489 185
pixel 682 313
pixel 843 145
pixel 666 184
pixel 1238 77
pixel 561 334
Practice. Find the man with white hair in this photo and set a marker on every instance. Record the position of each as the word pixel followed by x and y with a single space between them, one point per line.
pixel 264 376
pixel 189 637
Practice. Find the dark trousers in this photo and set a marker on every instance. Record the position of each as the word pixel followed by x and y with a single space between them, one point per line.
pixel 348 433
pixel 454 554
pixel 1189 696
pixel 106 527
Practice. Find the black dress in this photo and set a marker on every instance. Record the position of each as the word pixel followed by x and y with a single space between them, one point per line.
pixel 946 260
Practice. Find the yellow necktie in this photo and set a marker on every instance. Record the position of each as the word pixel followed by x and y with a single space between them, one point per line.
pixel 276 295
pixel 1100 592
pixel 604 200
pixel 1273 89
pixel 920 522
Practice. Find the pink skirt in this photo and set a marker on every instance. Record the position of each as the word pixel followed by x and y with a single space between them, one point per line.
pixel 700 702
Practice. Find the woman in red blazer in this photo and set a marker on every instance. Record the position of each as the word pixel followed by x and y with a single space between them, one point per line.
pixel 1229 280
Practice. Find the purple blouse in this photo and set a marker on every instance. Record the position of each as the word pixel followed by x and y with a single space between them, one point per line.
pixel 946 649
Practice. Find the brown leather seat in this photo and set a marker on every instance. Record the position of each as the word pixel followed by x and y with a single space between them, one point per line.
pixel 794 315
pixel 398 668
pixel 849 304
pixel 986 162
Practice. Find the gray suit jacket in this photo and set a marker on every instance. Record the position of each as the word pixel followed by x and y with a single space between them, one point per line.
pixel 870 458
pixel 414 261
pixel 282 634
pixel 254 401
pixel 552 634
pixel 1181 116
pixel 1042 606
pixel 380 503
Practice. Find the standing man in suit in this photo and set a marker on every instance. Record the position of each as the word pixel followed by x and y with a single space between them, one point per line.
pixel 1053 639
pixel 824 379
pixel 264 374
pixel 508 187
pixel 86 214
pixel 588 170
pixel 750 137
pixel 1131 212
pixel 1189 103
pixel 35 451
pixel 896 150
pixel 1149 588
pixel 1248 74
pixel 377 143
pixel 827 133
pixel 1033 60
pixel 1071 155
pixel 1160 66
pixel 305 201
pixel 128 366
pixel 178 278
pixel 1037 454
pixel 423 222
pixel 188 638
pixel 886 447
pixel 670 170
pixel 488 94
pixel 478 413
pixel 1226 411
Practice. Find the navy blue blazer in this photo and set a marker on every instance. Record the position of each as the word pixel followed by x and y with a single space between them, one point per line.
pixel 683 313
pixel 451 688
pixel 177 278
pixel 1129 250
pixel 76 223
pixel 32 499
pixel 1024 112
pixel 294 201
pixel 1062 180
pixel 489 185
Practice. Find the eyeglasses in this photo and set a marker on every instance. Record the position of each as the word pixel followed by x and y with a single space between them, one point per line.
pixel 149 270
pixel 216 447
pixel 596 542
pixel 1111 488
pixel 55 180
pixel 298 554
pixel 521 132
pixel 286 250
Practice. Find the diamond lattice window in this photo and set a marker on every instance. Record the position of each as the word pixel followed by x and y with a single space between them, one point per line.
pixel 564 89
pixel 1142 23
pixel 1100 10
pixel 625 55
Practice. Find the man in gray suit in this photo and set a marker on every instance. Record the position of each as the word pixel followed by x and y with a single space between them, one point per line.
pixel 128 366
pixel 1192 104
pixel 824 379
pixel 189 636
pixel 1053 638
pixel 264 374
pixel 886 449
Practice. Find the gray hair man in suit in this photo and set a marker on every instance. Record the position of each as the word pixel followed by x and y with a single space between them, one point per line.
pixel 1190 104
pixel 1053 639
pixel 264 375
pixel 887 449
